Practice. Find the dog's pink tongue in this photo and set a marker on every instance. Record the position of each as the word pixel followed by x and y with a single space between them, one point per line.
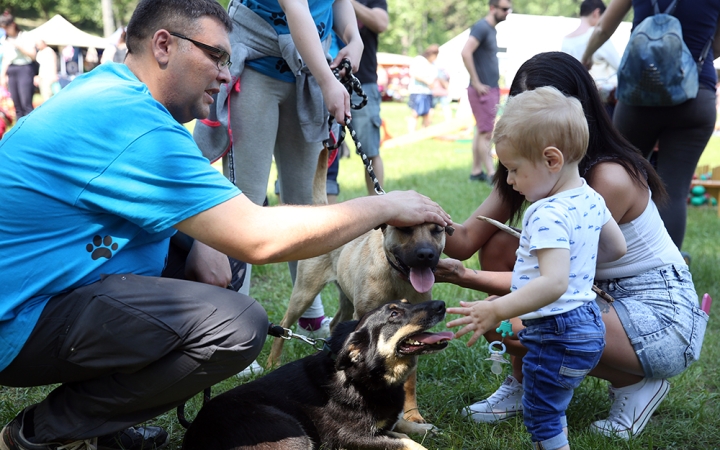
pixel 422 279
pixel 432 338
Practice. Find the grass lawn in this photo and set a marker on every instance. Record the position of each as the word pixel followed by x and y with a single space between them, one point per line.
pixel 711 155
pixel 689 418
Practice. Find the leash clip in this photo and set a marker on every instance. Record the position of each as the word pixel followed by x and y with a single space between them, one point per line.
pixel 287 334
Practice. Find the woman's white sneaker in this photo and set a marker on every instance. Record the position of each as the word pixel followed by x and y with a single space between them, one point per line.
pixel 632 407
pixel 505 403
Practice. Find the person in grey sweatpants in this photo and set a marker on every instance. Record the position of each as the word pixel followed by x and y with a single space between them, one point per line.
pixel 279 109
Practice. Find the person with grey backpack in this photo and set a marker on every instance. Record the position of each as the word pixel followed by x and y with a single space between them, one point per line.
pixel 666 88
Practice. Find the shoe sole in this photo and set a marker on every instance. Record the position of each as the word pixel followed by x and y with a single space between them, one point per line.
pixel 490 417
pixel 150 447
pixel 644 416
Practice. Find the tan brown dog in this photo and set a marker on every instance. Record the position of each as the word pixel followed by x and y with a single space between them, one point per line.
pixel 376 268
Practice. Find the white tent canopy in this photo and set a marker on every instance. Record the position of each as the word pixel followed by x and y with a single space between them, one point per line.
pixel 58 31
pixel 392 59
pixel 519 38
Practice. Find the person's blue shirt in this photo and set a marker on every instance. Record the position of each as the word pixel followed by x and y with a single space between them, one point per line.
pixel 272 13
pixel 93 182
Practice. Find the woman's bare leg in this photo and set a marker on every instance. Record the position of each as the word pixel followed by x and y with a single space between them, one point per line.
pixel 619 363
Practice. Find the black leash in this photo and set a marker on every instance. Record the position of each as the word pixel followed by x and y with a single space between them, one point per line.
pixel 352 84
pixel 275 331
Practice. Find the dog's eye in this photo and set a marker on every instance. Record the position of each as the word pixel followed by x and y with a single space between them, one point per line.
pixel 406 230
pixel 438 229
pixel 394 313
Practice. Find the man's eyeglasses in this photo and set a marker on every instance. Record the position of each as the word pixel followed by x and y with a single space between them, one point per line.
pixel 220 56
pixel 508 9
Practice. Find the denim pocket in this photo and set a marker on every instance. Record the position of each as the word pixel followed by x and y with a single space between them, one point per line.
pixel 700 320
pixel 576 365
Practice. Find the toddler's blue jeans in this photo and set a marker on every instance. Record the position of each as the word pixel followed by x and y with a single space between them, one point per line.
pixel 562 349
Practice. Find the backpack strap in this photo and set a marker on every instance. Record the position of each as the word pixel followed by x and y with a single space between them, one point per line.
pixel 704 53
pixel 669 10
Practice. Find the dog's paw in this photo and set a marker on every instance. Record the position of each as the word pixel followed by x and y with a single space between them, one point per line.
pixel 414 416
pixel 407 427
pixel 408 444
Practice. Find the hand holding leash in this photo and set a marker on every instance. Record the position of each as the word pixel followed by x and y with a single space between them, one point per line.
pixel 352 84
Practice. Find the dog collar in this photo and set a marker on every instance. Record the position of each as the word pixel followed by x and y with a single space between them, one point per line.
pixel 397 269
pixel 326 349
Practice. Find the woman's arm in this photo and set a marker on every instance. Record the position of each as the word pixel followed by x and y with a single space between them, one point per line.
pixel 473 234
pixel 453 271
pixel 611 18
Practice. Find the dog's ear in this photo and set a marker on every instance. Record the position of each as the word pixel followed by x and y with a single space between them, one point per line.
pixel 353 351
pixel 449 230
pixel 339 334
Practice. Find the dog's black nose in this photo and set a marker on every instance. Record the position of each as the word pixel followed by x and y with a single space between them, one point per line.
pixel 438 306
pixel 425 254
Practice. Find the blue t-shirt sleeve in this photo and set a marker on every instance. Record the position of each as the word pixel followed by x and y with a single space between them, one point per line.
pixel 158 180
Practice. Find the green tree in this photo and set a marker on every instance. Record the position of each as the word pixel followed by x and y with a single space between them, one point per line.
pixel 415 25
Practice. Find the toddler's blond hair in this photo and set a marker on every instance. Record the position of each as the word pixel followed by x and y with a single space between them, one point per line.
pixel 544 117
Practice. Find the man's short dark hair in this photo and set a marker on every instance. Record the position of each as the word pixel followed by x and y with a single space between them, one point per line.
pixel 588 6
pixel 493 2
pixel 179 16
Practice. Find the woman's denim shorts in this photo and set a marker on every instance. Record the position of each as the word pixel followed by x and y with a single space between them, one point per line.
pixel 660 313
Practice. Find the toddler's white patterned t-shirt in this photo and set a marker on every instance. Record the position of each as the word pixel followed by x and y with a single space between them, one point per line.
pixel 570 219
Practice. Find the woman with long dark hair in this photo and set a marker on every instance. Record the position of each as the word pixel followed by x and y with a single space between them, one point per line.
pixel 654 328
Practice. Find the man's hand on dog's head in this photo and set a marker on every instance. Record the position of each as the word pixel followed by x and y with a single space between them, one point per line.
pixel 408 208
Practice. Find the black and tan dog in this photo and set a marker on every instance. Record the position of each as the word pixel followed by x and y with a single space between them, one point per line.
pixel 347 396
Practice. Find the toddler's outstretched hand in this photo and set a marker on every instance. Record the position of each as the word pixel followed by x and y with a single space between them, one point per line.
pixel 479 318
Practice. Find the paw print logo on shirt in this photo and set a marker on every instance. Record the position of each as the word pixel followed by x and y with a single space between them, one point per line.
pixel 278 19
pixel 282 66
pixel 101 247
